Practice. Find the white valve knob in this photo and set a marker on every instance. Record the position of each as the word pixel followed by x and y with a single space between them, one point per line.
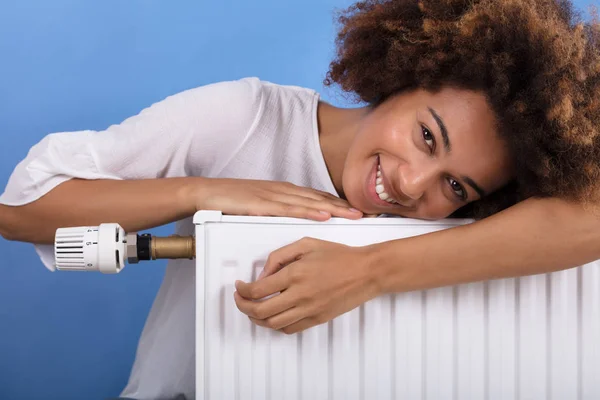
pixel 91 248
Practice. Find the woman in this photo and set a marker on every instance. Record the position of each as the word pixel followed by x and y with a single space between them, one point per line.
pixel 473 106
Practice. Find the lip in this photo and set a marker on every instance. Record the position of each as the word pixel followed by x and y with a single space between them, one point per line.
pixel 372 194
pixel 388 186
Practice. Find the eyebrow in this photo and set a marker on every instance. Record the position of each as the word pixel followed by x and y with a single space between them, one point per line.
pixel 448 147
pixel 474 185
pixel 443 129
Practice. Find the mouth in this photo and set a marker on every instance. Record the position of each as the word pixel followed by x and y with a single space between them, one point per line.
pixel 377 189
pixel 380 186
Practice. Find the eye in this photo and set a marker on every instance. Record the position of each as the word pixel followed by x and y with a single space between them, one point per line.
pixel 428 138
pixel 457 189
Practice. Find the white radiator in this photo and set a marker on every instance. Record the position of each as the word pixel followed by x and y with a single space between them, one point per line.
pixel 528 338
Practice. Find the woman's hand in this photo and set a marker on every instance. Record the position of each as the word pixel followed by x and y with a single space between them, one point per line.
pixel 269 198
pixel 316 281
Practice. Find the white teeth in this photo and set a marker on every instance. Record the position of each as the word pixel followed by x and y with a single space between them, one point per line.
pixel 380 189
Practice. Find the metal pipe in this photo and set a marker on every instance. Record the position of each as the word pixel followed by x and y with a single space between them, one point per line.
pixel 173 247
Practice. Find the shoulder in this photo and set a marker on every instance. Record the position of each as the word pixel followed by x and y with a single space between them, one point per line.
pixel 252 90
pixel 245 97
pixel 250 99
pixel 246 90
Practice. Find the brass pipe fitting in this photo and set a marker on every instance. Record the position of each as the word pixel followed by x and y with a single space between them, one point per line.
pixel 173 247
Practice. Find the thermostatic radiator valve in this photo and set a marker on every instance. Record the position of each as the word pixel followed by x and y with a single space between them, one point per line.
pixel 107 247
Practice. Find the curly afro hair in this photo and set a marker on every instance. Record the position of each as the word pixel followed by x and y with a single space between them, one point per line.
pixel 535 60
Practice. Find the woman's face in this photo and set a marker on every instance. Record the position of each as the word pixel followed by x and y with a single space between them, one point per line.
pixel 424 155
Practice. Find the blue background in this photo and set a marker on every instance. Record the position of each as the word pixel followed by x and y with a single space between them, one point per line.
pixel 74 65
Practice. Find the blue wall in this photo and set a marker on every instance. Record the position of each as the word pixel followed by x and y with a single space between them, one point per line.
pixel 72 65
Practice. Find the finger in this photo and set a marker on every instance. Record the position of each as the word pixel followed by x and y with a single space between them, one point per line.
pixel 266 308
pixel 323 196
pixel 281 320
pixel 285 188
pixel 285 256
pixel 312 193
pixel 343 211
pixel 284 209
pixel 370 215
pixel 259 322
pixel 333 205
pixel 262 288
pixel 300 326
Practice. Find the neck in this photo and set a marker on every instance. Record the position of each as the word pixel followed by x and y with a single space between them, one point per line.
pixel 337 129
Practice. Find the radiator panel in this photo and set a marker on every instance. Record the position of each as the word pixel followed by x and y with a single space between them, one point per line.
pixel 527 338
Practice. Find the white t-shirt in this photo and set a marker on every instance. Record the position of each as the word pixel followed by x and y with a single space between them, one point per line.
pixel 243 129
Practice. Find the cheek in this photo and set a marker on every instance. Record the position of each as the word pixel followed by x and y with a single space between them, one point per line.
pixel 353 177
pixel 386 132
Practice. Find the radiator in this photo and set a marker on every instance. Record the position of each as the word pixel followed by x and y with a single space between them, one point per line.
pixel 533 338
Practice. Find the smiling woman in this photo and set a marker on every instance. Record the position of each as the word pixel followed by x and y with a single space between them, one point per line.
pixel 473 106
pixel 418 154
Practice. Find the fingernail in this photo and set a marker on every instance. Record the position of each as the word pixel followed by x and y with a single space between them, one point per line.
pixel 354 210
pixel 324 212
pixel 261 274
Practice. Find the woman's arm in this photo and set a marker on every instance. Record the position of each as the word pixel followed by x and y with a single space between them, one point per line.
pixel 532 237
pixel 147 203
pixel 316 280
pixel 135 205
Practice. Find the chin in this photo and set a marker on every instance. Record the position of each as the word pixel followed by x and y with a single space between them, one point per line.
pixel 358 203
pixel 354 197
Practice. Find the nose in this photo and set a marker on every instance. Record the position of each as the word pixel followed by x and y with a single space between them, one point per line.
pixel 415 179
